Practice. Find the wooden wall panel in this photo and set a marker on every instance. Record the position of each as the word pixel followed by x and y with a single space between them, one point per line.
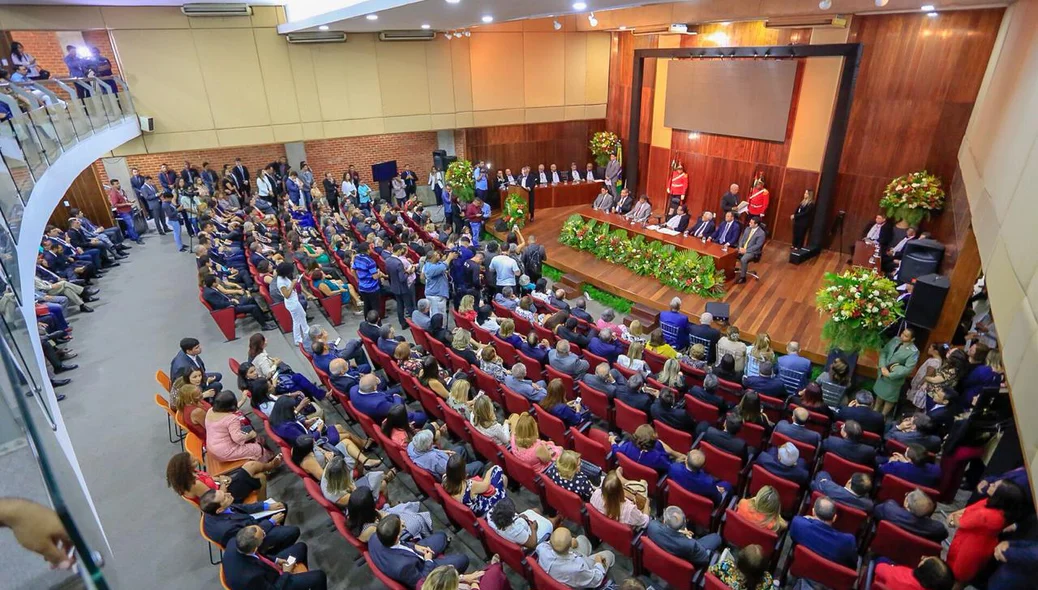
pixel 515 146
pixel 87 195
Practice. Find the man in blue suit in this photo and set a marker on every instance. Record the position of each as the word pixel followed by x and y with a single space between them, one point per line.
pixel 675 325
pixel 855 494
pixel 860 410
pixel 785 462
pixel 915 466
pixel 150 196
pixel 706 334
pixel 816 533
pixel 797 429
pixel 913 516
pixel 728 231
pixel 189 358
pixel 849 446
pixel 673 536
pixel 792 362
pixel 606 346
pixel 405 563
pixel 766 383
pixel 376 403
pixel 244 567
pixel 690 476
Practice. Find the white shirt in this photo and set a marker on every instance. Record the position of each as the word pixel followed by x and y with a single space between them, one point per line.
pixel 544 177
pixel 574 175
pixel 292 301
pixel 590 175
pixel 263 186
pixel 436 180
pixel 555 177
pixel 519 531
pixel 873 234
pixel 506 269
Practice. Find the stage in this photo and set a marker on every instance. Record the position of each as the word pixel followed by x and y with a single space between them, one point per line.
pixel 781 303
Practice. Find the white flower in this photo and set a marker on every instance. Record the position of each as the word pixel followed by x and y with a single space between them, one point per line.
pixel 875 293
pixel 840 298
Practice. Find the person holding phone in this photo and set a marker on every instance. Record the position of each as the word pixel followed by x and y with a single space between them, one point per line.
pixel 288 285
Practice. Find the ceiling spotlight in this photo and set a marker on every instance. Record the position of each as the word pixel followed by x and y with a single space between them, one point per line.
pixel 931 14
pixel 453 1
pixel 927 8
pixel 693 135
pixel 458 35
pixel 322 28
pixel 592 20
pixel 557 25
pixel 579 5
pixel 622 28
pixel 487 18
pixel 425 27
pixel 372 17
pixel 825 4
pixel 447 36
pixel 468 33
pixel 882 3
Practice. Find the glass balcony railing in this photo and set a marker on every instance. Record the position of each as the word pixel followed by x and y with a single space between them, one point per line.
pixel 39 121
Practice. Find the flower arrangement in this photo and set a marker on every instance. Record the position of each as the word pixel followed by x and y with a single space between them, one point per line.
pixel 602 144
pixel 860 303
pixel 516 210
pixel 912 197
pixel 459 176
pixel 684 270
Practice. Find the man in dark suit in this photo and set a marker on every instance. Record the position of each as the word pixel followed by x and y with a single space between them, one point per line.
pixel 796 428
pixel 690 476
pixel 222 519
pixel 568 331
pixel 209 178
pixel 398 285
pixel 855 494
pixel 704 228
pixel 726 440
pixel 860 410
pixel 167 179
pixel 918 429
pixel 767 383
pixel 727 231
pixel 679 220
pixel 816 533
pixel 151 198
pixel 387 339
pixel 751 244
pixel 370 327
pixel 915 466
pixel 528 182
pixel 80 238
pixel 785 462
pixel 245 568
pixel 942 413
pixel 218 300
pixel 849 446
pixel 707 393
pixel 913 516
pixel 409 564
pixel 730 199
pixel 557 299
pixel 331 191
pixel 880 232
pixel 189 358
pixel 579 310
pixel 605 345
pixel 136 182
pixel 241 173
pixel 673 536
pixel 374 401
pixel 189 173
pixel 613 170
pixel 604 380
pixel 624 203
pixel 632 392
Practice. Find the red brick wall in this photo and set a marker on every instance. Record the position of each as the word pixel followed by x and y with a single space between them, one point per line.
pixel 49 54
pixel 255 157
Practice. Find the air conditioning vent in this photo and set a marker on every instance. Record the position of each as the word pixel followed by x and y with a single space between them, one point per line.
pixel 317 37
pixel 204 9
pixel 821 21
pixel 407 35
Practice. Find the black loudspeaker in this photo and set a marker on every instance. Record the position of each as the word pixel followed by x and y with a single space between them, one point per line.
pixel 928 295
pixel 920 257
pixel 440 159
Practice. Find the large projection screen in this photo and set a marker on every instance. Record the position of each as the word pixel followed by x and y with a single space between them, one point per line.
pixel 737 97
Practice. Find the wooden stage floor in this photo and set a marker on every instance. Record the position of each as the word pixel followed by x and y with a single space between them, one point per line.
pixel 781 303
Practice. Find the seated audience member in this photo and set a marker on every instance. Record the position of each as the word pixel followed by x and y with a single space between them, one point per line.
pixel 507 333
pixel 312 458
pixel 690 475
pixel 387 339
pixel 763 510
pixel 535 348
pixel 433 377
pixel 932 573
pixel 645 448
pixel 633 359
pixel 479 494
pixel 338 483
pixel 189 406
pixel 527 446
pixel 490 364
pixel 563 360
pixel 398 429
pixel 434 460
pixel 605 380
pixel 408 563
pixel 838 375
pixel 624 203
pixel 507 299
pixel 727 439
pixel 749 571
pixel 605 345
pixel 566 473
pixel 463 346
pixel 917 429
pixel 634 392
pixel 750 410
pixel 705 332
pixel 915 466
pixel 517 382
pixel 527 529
pixel 942 407
pixel 374 402
pixel 860 410
pixel 678 221
pixel 811 399
pixel 816 533
pixel 796 428
pixel 285 423
pixel 731 344
pixel 794 363
pixel 570 562
pixel 370 327
pixel 579 310
pixel 352 350
pixel 785 462
pixel 484 419
pixel 557 299
pixel 243 567
pixel 658 345
pixel 362 516
pixel 668 410
pixel 572 413
pixel 612 500
pixel 422 314
pixel 607 321
pixel 673 536
pixel 189 357
pixel 218 300
pixel 341 376
pixel 634 333
pixel 696 357
pixel 641 211
pixel 287 380
pixel 913 516
pixel 223 517
pixel 767 383
pixel 725 369
pixel 228 434
pixel 569 331
pixel 675 325
pixel 855 494
pixel 184 476
pixel 849 446
pixel 707 393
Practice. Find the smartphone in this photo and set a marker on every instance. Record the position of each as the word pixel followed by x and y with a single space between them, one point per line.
pixel 337 341
pixel 275 377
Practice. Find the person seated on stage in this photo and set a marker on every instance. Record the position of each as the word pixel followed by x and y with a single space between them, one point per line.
pixel 624 204
pixel 727 232
pixel 641 211
pixel 679 220
pixel 879 233
pixel 575 175
pixel 554 177
pixel 604 201
pixel 704 228
pixel 730 200
pixel 589 173
pixel 751 244
pixel 542 176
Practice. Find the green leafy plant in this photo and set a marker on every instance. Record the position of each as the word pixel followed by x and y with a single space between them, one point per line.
pixel 608 299
pixel 603 144
pixel 860 303
pixel 459 177
pixel 551 273
pixel 516 210
pixel 912 197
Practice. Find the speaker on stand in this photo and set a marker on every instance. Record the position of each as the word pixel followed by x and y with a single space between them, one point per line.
pixel 927 300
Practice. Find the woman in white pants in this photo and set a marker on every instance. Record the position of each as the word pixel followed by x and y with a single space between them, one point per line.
pixel 286 285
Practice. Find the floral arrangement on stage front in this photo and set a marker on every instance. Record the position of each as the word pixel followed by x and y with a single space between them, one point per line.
pixel 861 303
pixel 459 176
pixel 684 270
pixel 912 197
pixel 516 210
pixel 602 144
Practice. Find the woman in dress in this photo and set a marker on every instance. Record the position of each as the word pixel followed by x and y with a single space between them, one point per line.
pixel 466 308
pixel 730 344
pixel 635 332
pixel 696 357
pixel 191 409
pixel 749 571
pixel 225 437
pixel 950 372
pixel 287 284
pixel 193 376
pixel 565 472
pixel 184 475
pixel 331 287
pixel 658 345
pixel 490 364
pixel 478 493
pixel 802 217
pixel 406 360
pixel 527 446
pixel 362 516
pixel 671 376
pixel 979 526
pixel 287 380
pixel 458 400
pixel 935 355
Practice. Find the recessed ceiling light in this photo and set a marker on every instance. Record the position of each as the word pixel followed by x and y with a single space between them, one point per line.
pixel 579 5
pixel 372 17
pixel 425 26
pixel 468 33
pixel 323 27
pixel 825 4
pixel 487 18
pixel 927 8
pixel 453 1
pixel 556 25
pixel 623 28
pixel 931 14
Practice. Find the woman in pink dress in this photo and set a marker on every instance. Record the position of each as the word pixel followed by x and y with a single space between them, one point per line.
pixel 225 439
pixel 527 446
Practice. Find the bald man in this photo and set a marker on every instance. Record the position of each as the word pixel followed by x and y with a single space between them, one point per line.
pixel 371 399
pixel 913 516
pixel 570 562
pixel 816 532
pixel 797 429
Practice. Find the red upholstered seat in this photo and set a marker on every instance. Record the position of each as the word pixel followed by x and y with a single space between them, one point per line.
pixel 841 469
pixel 619 536
pixel 740 532
pixel 677 572
pixel 901 546
pixel 788 491
pixel 808 564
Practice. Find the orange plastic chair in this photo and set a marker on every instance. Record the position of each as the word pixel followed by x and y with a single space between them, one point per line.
pixel 176 436
pixel 209 543
pixel 163 380
pixel 195 446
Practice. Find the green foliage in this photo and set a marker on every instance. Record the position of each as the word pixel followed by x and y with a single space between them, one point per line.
pixel 860 303
pixel 459 177
pixel 683 270
pixel 608 299
pixel 551 273
pixel 516 211
pixel 912 197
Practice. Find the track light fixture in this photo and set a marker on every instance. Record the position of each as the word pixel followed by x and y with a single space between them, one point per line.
pixel 592 20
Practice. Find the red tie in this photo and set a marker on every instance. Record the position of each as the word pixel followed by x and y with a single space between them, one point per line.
pixel 266 561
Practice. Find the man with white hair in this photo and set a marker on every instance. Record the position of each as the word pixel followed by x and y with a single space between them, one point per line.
pixel 422 314
pixel 785 462
pixel 675 325
pixel 425 455
pixel 569 561
pixel 792 363
pixel 353 349
pixel 517 382
pixel 704 228
pixel 562 360
pixel 558 299
pixel 674 537
pixel 507 299
pixel 605 345
pixel 706 335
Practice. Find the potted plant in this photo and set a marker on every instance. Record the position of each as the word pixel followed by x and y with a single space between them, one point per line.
pixel 515 211
pixel 459 176
pixel 604 143
pixel 860 303
pixel 913 197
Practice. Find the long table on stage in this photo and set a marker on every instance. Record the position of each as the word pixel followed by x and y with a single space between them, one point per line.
pixel 725 261
pixel 564 194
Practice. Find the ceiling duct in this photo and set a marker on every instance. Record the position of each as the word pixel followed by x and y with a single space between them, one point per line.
pixel 210 10
pixel 317 37
pixel 407 35
pixel 819 21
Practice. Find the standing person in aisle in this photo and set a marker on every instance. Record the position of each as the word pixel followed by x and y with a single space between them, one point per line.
pixel 287 284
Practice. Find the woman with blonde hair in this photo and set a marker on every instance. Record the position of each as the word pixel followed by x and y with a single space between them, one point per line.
pixel 446 577
pixel 763 510
pixel 730 344
pixel 671 376
pixel 635 332
pixel 696 357
pixel 527 446
pixel 337 481
pixel 633 359
pixel 566 473
pixel 507 333
pixel 622 505
pixel 490 363
pixel 191 409
pixel 645 448
pixel 458 400
pixel 758 353
pixel 461 344
pixel 484 418
pixel 467 308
